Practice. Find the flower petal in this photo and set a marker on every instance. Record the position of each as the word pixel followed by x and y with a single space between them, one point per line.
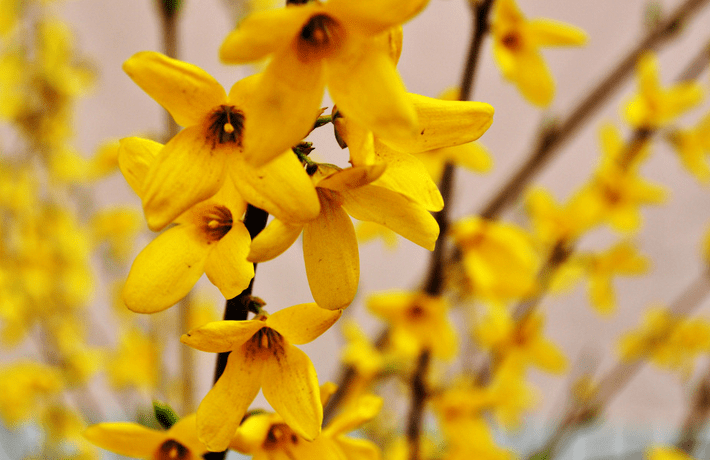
pixel 533 78
pixel 271 242
pixel 364 83
pixel 188 170
pixel 373 203
pixel 227 266
pixel 375 16
pixel 166 270
pixel 221 336
pixel 279 112
pixel 360 141
pixel 185 432
pixel 186 91
pixel 135 156
pixel 331 256
pixel 407 175
pixel 546 32
pixel 444 124
pixel 353 177
pixel 364 409
pixel 124 438
pixel 281 187
pixel 264 32
pixel 303 323
pixel 224 406
pixel 358 449
pixel 291 387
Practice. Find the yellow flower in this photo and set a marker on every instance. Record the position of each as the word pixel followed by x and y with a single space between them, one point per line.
pixel 693 146
pixel 441 125
pixel 329 243
pixel 666 453
pixel 368 231
pixel 257 122
pixel 346 45
pixel 654 106
pixel 262 356
pixel 135 363
pixel 516 43
pixel 119 228
pixel 670 341
pixel 132 440
pixel 621 259
pixel 417 321
pixel 499 259
pixel 267 437
pixel 554 223
pixel 616 191
pixel 208 238
pixel 24 386
pixel 521 343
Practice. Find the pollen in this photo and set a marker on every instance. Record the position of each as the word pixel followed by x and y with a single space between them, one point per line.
pixel 226 125
pixel 217 222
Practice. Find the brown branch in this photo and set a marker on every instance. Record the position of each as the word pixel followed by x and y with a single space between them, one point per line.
pixel 419 396
pixel 554 136
pixel 697 417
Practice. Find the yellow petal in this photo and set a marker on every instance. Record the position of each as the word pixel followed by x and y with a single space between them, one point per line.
pixel 365 85
pixel 375 16
pixel 407 175
pixel 547 356
pixel 331 256
pixel 221 336
pixel 360 141
pixel 227 266
pixel 303 323
pixel 354 177
pixel 378 204
pixel 124 438
pixel 185 432
pixel 546 32
pixel 359 449
pixel 186 91
pixel 273 241
pixel 224 406
pixel 166 270
pixel 363 410
pixel 280 111
pixel 472 156
pixel 252 433
pixel 264 32
pixel 533 78
pixel 188 170
pixel 291 387
pixel 281 187
pixel 444 124
pixel 135 155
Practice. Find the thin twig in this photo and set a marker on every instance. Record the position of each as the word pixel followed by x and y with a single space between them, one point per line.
pixel 416 412
pixel 697 417
pixel 557 134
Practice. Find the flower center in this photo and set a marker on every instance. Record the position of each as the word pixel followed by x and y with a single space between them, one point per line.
pixel 278 436
pixel 217 222
pixel 172 450
pixel 227 124
pixel 319 37
pixel 267 339
pixel 512 41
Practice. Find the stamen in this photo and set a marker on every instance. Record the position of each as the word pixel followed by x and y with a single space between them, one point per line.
pixel 217 222
pixel 227 124
pixel 319 37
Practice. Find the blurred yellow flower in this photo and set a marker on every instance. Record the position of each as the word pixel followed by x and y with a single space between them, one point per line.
pixel 418 322
pixel 666 453
pixel 135 363
pixel 329 243
pixel 654 107
pixel 119 228
pixel 516 43
pixel 262 356
pixel 555 223
pixel 132 440
pixel 24 387
pixel 499 259
pixel 266 437
pixel 368 231
pixel 256 122
pixel 344 45
pixel 693 147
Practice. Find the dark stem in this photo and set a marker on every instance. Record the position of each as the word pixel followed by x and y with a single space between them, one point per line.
pixel 237 309
pixel 419 396
pixel 552 138
pixel 697 417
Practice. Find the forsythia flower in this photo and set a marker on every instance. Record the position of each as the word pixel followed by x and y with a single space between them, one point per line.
pixel 267 437
pixel 329 244
pixel 262 356
pixel 653 106
pixel 554 223
pixel 135 363
pixel 693 146
pixel 344 44
pixel 258 121
pixel 666 453
pixel 515 46
pixel 499 259
pixel 208 238
pixel 132 440
pixel 23 386
pixel 119 228
pixel 368 231
pixel 417 321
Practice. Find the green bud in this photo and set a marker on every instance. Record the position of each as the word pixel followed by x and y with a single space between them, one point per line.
pixel 165 414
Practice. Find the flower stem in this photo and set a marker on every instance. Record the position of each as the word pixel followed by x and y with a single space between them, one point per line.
pixel 697 417
pixel 416 412
pixel 554 136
